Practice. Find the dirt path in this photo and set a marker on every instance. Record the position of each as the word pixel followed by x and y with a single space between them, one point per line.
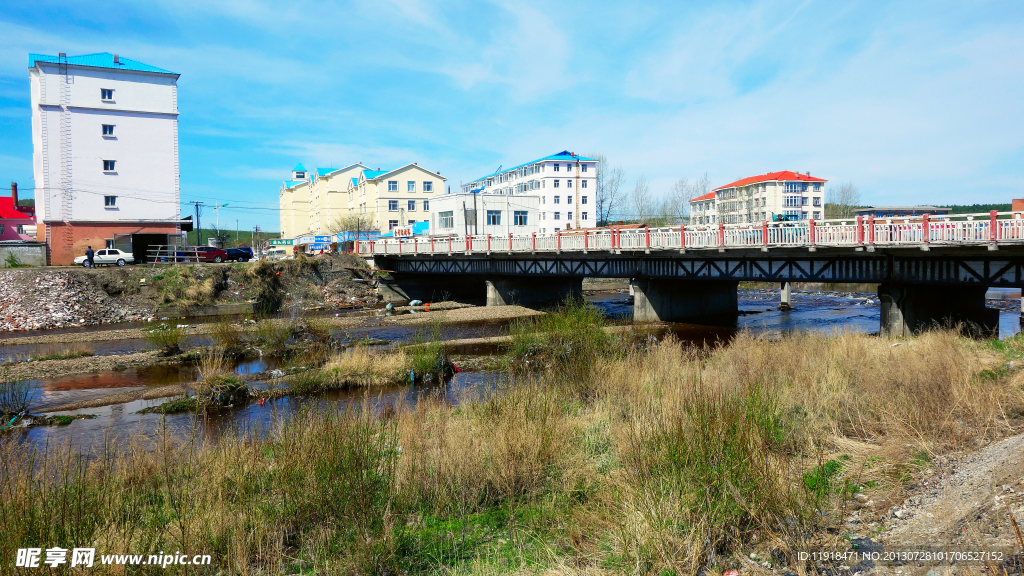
pixel 58 368
pixel 969 505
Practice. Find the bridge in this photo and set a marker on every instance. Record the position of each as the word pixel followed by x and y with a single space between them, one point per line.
pixel 929 269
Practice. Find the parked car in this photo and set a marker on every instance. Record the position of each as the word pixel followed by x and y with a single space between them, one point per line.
pixel 202 254
pixel 108 256
pixel 240 254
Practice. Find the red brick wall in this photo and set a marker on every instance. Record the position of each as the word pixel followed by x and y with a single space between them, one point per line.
pixel 91 234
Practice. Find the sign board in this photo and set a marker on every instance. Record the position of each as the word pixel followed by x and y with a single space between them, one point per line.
pixel 322 239
pixel 281 242
pixel 400 231
pixel 319 247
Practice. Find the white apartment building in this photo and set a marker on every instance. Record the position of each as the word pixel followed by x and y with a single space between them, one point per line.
pixel 770 197
pixel 702 209
pixel 564 182
pixel 477 213
pixel 105 150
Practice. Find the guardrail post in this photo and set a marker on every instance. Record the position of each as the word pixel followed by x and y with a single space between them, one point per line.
pixel 871 230
pixel 399 246
pixel 647 236
pixel 811 231
pixel 925 228
pixel 385 245
pixel 432 245
pixel 682 235
pixel 534 241
pixel 586 239
pixel 721 234
pixel 488 243
pixel 357 246
pixel 764 232
pixel 860 230
pixel 993 227
pixel 613 235
pixel 509 241
pixel 558 235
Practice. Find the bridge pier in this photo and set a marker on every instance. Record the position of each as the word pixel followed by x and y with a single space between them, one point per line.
pixel 786 299
pixel 531 290
pixel 431 288
pixel 671 300
pixel 910 308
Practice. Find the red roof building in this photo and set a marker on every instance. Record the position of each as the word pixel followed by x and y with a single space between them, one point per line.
pixel 774 196
pixel 14 221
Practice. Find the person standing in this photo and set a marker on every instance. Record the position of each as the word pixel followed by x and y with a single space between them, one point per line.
pixel 89 255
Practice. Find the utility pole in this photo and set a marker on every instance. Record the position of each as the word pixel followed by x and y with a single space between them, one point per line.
pixel 576 195
pixel 199 229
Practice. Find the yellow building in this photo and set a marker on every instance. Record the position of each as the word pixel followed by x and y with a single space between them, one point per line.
pixel 314 202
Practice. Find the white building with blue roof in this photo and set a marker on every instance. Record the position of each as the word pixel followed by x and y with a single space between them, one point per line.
pixel 105 151
pixel 565 182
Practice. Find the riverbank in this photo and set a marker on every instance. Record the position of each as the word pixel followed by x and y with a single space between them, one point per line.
pixel 595 453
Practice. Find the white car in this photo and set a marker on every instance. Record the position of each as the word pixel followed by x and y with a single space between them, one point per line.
pixel 108 256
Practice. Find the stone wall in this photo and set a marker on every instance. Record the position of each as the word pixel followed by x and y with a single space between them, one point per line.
pixel 30 253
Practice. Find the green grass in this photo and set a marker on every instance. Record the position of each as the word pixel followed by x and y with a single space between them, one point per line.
pixel 565 341
pixel 67 355
pixel 166 337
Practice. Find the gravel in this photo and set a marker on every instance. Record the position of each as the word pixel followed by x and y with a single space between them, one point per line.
pixel 58 299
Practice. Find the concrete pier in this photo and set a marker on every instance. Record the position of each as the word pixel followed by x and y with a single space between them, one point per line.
pixel 658 300
pixel 786 297
pixel 431 288
pixel 910 308
pixel 531 290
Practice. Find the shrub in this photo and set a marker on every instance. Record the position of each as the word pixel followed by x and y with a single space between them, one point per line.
pixel 167 337
pixel 358 368
pixel 15 397
pixel 228 336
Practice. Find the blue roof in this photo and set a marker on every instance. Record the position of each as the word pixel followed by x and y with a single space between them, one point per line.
pixel 371 174
pixel 100 60
pixel 299 168
pixel 325 171
pixel 293 183
pixel 563 155
pixel 355 181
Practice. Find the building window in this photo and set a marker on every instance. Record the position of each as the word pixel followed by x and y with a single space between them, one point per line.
pixel 556 168
pixel 817 215
pixel 803 215
pixel 568 167
pixel 108 129
pixel 568 199
pixel 817 186
pixel 556 183
pixel 428 186
pixel 568 215
pixel 392 205
pixel 392 224
pixel 110 242
pixel 558 215
pixel 110 201
pixel 817 200
pixel 426 205
pixel 106 94
pixel 519 217
pixel 803 201
pixel 583 215
pixel 410 186
pixel 446 219
pixel 411 222
pixel 557 198
pixel 494 217
pixel 583 199
pixel 583 167
pixel 412 205
pixel 392 185
pixel 108 165
pixel 583 183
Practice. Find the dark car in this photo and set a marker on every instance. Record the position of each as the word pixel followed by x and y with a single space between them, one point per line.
pixel 240 254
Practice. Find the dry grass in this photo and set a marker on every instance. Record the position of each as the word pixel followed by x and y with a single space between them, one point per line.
pixel 666 461
pixel 357 367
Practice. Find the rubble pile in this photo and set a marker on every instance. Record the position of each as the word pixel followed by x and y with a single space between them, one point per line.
pixel 59 300
pixel 345 293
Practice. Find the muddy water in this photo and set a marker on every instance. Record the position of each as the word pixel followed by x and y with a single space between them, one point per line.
pixel 117 425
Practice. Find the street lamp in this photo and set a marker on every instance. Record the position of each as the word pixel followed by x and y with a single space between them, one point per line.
pixel 217 210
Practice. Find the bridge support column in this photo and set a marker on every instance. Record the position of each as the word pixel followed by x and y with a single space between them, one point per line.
pixel 910 308
pixel 786 299
pixel 531 291
pixel 431 288
pixel 684 300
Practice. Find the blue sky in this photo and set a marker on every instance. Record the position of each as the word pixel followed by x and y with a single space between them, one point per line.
pixel 914 102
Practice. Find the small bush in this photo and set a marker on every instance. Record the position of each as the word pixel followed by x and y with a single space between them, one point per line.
pixel 358 368
pixel 15 396
pixel 228 335
pixel 167 337
pixel 566 340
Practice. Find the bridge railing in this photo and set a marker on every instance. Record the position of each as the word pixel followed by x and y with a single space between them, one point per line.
pixel 959 229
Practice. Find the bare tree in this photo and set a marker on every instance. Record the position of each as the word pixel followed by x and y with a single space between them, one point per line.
pixel 678 202
pixel 608 198
pixel 354 223
pixel 640 199
pixel 841 201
